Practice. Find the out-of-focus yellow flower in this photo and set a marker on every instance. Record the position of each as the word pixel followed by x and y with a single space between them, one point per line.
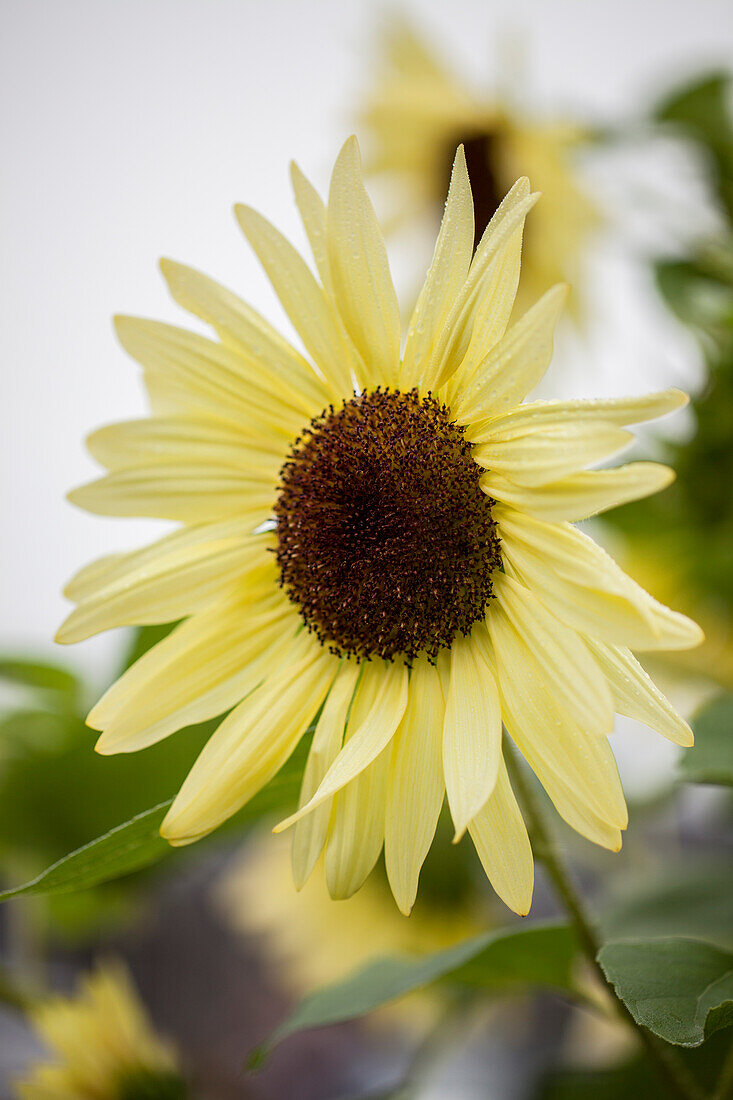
pixel 418 111
pixel 313 941
pixel 406 506
pixel 104 1044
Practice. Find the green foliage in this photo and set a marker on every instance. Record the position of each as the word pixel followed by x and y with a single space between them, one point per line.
pixel 711 758
pixel 123 849
pixel 42 676
pixel 700 111
pixel 687 899
pixel 680 989
pixel 508 959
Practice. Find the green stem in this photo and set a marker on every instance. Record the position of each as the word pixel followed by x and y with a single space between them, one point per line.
pixel 669 1067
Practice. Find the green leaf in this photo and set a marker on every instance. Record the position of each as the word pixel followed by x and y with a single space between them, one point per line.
pixel 123 849
pixel 700 110
pixel 534 955
pixel 38 674
pixel 689 899
pixel 680 989
pixel 136 843
pixel 711 758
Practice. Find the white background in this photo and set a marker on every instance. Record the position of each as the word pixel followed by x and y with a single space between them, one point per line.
pixel 128 130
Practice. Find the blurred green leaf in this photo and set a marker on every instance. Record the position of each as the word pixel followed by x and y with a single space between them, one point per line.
pixel 701 111
pixel 636 1077
pixel 38 674
pixel 136 843
pixel 126 848
pixel 689 899
pixel 681 989
pixel 711 758
pixel 537 955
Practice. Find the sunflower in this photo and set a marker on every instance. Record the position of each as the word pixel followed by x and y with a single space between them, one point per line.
pixel 380 542
pixel 105 1045
pixel 418 112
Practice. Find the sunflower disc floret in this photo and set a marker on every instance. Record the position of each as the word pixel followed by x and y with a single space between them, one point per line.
pixel 385 539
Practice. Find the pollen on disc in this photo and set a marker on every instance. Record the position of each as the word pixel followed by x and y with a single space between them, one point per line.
pixel 385 540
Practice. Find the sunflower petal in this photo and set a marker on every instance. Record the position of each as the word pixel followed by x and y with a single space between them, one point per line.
pixel 356 832
pixel 305 302
pixel 415 786
pixel 362 282
pixel 471 732
pixel 582 494
pixel 173 490
pixel 577 681
pixel 213 377
pixel 501 841
pixel 312 210
pixel 619 411
pixel 541 456
pixel 637 696
pixel 277 365
pixel 201 669
pixel 446 276
pixel 251 744
pixel 512 368
pixel 385 685
pixel 548 737
pixel 176 576
pixel 576 580
pixel 309 834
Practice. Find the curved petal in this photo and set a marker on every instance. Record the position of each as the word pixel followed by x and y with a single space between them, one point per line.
pixel 471 732
pixel 446 276
pixel 212 377
pixel 619 411
pixel 511 369
pixel 501 841
pixel 582 494
pixel 356 832
pixel 557 750
pixel 415 785
pixel 577 681
pixel 201 669
pixel 304 301
pixel 251 744
pixel 176 576
pixel 576 580
pixel 309 834
pixel 174 490
pixel 312 210
pixel 362 283
pixel 384 684
pixel 637 696
pixel 544 455
pixel 278 366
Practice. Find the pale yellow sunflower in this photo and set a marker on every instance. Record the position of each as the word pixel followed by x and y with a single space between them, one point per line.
pixel 380 540
pixel 104 1045
pixel 418 111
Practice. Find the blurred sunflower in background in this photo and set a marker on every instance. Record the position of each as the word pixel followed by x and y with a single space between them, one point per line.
pixel 105 1046
pixel 309 942
pixel 418 111
pixel 412 514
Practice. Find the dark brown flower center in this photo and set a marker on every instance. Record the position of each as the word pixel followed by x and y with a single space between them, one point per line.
pixel 386 542
pixel 482 160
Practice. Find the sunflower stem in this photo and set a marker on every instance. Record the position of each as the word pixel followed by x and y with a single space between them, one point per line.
pixel 668 1065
